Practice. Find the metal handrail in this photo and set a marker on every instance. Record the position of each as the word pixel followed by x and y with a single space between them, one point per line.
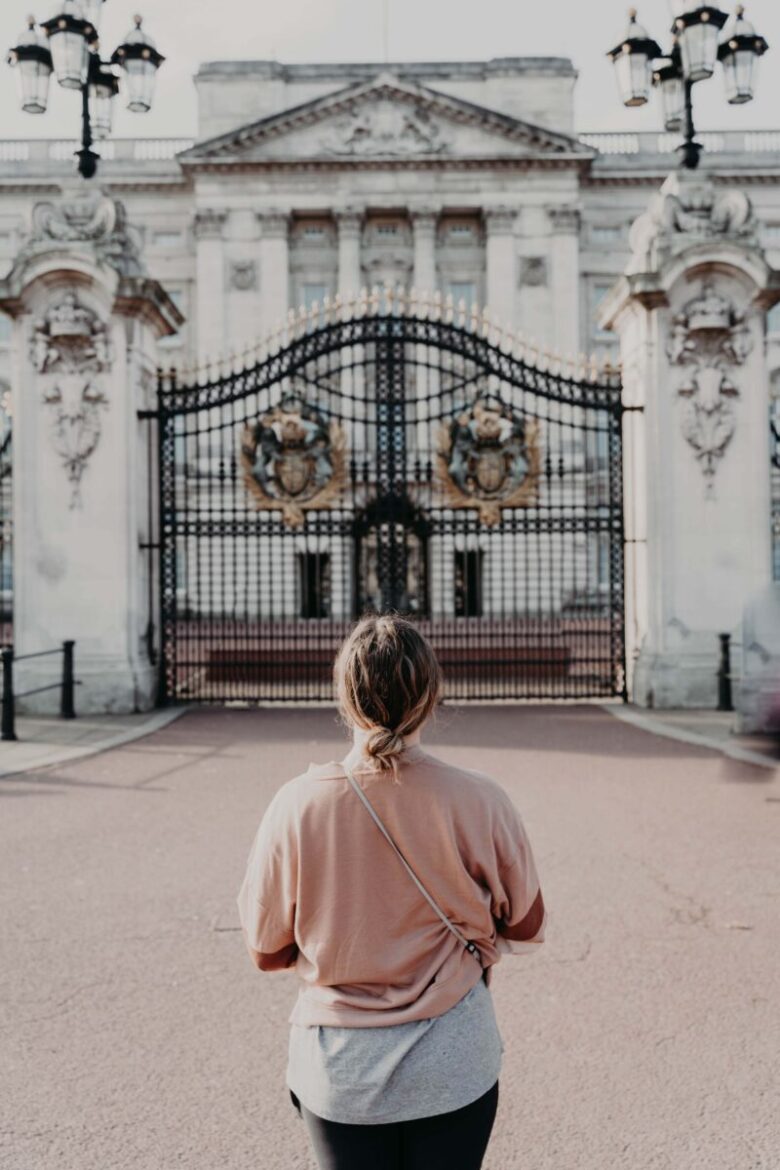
pixel 66 685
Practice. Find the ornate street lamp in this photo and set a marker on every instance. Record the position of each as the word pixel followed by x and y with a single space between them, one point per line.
pixel 703 35
pixel 67 45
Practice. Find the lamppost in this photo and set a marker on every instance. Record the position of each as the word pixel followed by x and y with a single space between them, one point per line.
pixel 701 35
pixel 68 46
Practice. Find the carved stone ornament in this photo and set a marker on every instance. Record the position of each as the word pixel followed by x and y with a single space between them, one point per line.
pixel 533 271
pixel 489 459
pixel 70 349
pixel 293 460
pixel 688 210
pixel 243 275
pixel 709 339
pixel 91 218
pixel 386 128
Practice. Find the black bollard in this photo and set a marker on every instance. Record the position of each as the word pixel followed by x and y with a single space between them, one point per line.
pixel 67 708
pixel 724 674
pixel 8 729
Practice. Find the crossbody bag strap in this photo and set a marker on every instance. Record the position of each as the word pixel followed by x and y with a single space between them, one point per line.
pixel 471 947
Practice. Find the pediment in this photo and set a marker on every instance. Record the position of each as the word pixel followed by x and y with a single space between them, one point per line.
pixel 385 119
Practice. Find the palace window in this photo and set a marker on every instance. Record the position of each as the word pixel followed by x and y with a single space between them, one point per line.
pixel 313 585
pixel 773 321
pixel 313 293
pixel 597 294
pixel 469 566
pixel 166 239
pixel 605 233
pixel 176 339
pixel 462 290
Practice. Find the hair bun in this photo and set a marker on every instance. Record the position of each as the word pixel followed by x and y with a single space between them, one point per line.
pixel 384 745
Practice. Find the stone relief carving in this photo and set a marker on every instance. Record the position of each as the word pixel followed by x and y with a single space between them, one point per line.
pixel 90 217
pixel 69 347
pixel 489 459
pixel 293 459
pixel 243 275
pixel 533 271
pixel 688 210
pixel 709 339
pixel 386 128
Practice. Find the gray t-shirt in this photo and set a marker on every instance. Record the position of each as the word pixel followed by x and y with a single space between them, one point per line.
pixel 370 1076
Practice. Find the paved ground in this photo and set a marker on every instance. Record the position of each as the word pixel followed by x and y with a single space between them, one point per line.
pixel 137 1035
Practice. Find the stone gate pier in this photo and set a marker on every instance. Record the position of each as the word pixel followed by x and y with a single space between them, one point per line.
pixel 690 312
pixel 86 318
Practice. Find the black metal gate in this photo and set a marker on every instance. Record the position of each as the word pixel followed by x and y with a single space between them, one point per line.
pixel 391 462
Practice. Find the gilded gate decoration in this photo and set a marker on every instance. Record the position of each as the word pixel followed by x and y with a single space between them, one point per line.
pixel 390 455
pixel 293 460
pixel 489 457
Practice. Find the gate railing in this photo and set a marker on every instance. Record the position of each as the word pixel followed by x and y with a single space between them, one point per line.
pixel 65 684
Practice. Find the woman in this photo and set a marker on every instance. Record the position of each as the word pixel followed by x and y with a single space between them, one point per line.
pixel 394 1049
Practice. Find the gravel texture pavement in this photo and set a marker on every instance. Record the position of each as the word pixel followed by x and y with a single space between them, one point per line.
pixel 137 1036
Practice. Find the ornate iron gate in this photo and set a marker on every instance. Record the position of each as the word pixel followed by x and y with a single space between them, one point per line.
pixel 380 461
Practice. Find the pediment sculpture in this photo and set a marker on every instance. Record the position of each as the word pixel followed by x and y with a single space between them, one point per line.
pixel 385 128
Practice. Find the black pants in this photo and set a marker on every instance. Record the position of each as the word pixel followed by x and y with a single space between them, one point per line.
pixel 449 1141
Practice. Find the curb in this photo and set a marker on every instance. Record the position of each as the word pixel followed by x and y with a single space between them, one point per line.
pixel 656 726
pixel 61 754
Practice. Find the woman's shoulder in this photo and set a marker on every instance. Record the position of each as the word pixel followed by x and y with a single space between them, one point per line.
pixel 462 782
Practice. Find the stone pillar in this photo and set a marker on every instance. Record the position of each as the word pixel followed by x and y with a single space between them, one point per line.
pixel 690 313
pixel 274 269
pixel 424 222
pixel 210 266
pixel 86 321
pixel 501 264
pixel 349 223
pixel 565 260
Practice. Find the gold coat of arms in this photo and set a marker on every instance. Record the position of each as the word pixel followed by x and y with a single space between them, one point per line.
pixel 293 460
pixel 489 459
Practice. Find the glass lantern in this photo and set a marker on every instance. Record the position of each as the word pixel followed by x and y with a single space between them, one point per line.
pixel 697 31
pixel 739 51
pixel 103 88
pixel 69 38
pixel 92 11
pixel 33 58
pixel 140 61
pixel 667 77
pixel 631 58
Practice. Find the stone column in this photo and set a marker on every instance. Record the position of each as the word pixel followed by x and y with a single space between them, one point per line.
pixel 501 264
pixel 690 313
pixel 210 267
pixel 565 260
pixel 424 220
pixel 274 269
pixel 86 321
pixel 349 223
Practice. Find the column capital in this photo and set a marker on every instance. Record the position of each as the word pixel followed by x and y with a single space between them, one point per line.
pixel 500 220
pixel 349 221
pixel 209 223
pixel 424 217
pixel 274 223
pixel 565 220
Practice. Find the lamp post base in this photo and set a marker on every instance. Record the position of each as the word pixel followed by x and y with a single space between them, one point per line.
pixel 88 162
pixel 690 153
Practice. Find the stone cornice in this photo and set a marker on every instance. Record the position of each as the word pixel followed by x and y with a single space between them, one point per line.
pixel 208 224
pixel 274 223
pixel 500 220
pixel 565 220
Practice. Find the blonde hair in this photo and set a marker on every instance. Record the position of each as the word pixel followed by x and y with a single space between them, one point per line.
pixel 388 681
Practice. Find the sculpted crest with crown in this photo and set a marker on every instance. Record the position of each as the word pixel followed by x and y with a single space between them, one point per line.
pixel 489 459
pixel 293 460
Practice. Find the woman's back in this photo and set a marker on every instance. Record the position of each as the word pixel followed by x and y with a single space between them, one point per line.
pixel 371 951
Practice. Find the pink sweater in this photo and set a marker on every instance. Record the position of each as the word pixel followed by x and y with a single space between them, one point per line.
pixel 325 893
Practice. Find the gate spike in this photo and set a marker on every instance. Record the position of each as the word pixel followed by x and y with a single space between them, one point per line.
pixel 508 341
pixel 532 357
pixel 449 309
pixel 373 301
pixel 485 323
pixel 462 313
pixel 474 322
pixel 314 313
pixel 402 299
pixel 413 301
pixel 582 365
pixel 338 309
pixel 593 370
pixel 362 305
pixel 436 307
pixel 389 298
pixel 424 308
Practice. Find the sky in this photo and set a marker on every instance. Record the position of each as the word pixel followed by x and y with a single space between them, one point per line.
pixel 188 32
